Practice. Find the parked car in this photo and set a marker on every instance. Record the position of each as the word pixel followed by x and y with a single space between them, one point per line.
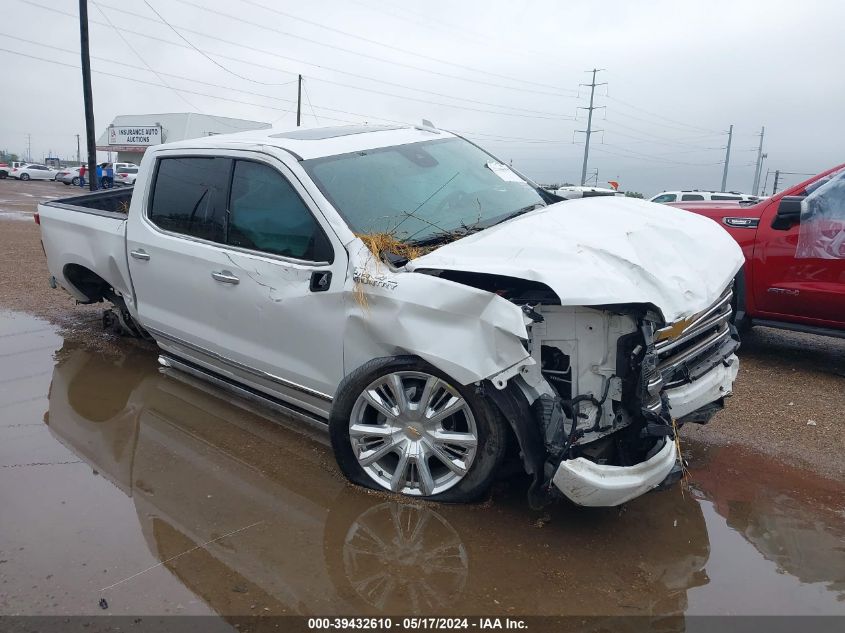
pixel 427 304
pixel 68 176
pixel 794 246
pixel 33 172
pixel 696 196
pixel 6 168
pixel 125 175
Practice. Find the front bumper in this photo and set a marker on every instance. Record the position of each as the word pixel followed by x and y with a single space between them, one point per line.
pixel 589 484
pixel 716 383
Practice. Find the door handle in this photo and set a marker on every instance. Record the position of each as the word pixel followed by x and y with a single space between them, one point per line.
pixel 140 254
pixel 225 277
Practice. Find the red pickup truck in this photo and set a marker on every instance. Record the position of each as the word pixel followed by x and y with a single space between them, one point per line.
pixel 794 273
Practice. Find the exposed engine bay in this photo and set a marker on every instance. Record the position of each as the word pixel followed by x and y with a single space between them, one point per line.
pixel 602 380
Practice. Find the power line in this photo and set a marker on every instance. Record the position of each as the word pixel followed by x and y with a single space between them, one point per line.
pixel 150 83
pixel 365 116
pixel 158 73
pixel 657 158
pixel 141 57
pixel 342 49
pixel 462 30
pixel 654 136
pixel 266 52
pixel 388 46
pixel 695 148
pixel 308 98
pixel 655 115
pixel 654 123
pixel 213 61
pixel 211 84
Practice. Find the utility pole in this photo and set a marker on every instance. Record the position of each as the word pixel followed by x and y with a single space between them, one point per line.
pixel 78 157
pixel 299 101
pixel 775 186
pixel 29 148
pixel 765 180
pixel 759 167
pixel 87 96
pixel 589 129
pixel 727 159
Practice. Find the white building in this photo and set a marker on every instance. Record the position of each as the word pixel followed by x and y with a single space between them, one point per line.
pixel 131 134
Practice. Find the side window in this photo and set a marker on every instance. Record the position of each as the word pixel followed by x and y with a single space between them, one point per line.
pixel 266 214
pixel 822 229
pixel 717 197
pixel 189 196
pixel 666 197
pixel 689 197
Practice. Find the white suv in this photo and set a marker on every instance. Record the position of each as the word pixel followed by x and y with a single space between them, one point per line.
pixel 699 196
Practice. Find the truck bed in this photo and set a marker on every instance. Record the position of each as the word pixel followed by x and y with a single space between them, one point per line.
pixel 114 202
pixel 84 238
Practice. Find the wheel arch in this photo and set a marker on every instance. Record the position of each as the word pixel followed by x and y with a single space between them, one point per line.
pixel 86 283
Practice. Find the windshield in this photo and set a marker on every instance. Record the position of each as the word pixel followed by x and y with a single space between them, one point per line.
pixel 421 190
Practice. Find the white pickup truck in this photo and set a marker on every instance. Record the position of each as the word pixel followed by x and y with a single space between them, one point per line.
pixel 437 310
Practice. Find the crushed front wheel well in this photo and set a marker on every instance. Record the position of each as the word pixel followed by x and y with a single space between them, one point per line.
pixel 88 283
pixel 515 408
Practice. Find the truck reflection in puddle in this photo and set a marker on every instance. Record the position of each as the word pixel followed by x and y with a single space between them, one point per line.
pixel 251 515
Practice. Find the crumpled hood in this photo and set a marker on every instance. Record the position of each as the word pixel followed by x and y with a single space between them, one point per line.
pixel 608 250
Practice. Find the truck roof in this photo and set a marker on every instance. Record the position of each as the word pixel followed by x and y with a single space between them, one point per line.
pixel 317 142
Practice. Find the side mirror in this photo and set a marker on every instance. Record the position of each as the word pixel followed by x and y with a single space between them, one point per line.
pixel 789 212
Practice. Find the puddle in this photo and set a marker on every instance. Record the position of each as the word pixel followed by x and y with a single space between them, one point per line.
pixel 163 496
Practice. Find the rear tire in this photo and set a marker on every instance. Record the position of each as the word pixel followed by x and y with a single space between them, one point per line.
pixel 24 176
pixel 452 458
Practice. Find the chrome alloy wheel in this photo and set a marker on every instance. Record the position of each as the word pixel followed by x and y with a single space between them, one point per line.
pixel 413 433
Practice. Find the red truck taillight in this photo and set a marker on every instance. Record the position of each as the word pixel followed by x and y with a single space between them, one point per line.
pixel 37 218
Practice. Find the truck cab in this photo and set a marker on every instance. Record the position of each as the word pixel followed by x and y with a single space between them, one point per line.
pixel 794 247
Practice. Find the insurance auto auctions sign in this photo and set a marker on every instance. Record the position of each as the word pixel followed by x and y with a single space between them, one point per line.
pixel 132 135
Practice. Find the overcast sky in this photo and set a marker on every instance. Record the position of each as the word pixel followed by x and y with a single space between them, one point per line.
pixel 506 73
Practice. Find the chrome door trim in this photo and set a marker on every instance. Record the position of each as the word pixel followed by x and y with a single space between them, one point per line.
pixel 250 370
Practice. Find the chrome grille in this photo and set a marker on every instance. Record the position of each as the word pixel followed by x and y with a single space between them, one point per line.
pixel 684 341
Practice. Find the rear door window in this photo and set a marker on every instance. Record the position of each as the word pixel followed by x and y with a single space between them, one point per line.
pixel 666 197
pixel 189 196
pixel 266 214
pixel 690 197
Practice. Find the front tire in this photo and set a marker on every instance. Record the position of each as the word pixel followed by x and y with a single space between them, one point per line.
pixel 74 181
pixel 24 176
pixel 400 425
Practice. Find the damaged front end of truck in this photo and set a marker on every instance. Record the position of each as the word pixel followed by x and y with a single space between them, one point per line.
pixel 597 389
pixel 598 402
